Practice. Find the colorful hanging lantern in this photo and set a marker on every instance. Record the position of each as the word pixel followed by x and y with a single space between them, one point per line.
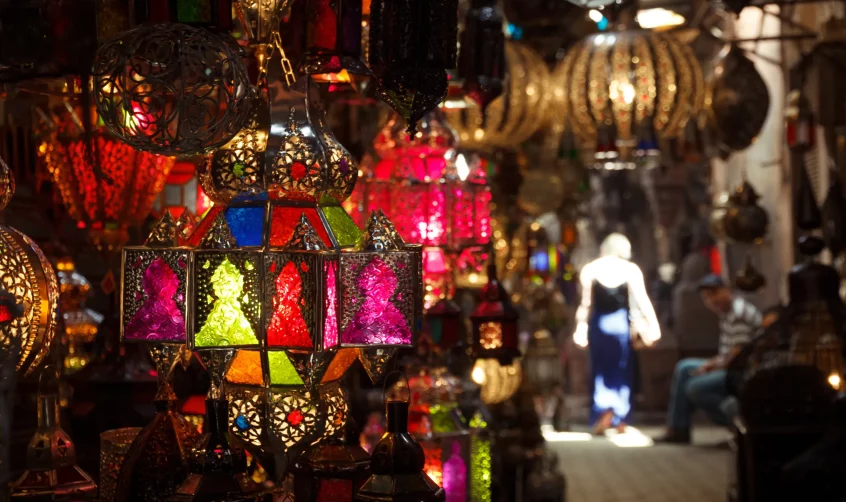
pixel 332 39
pixel 432 196
pixel 481 60
pixel 446 327
pixel 182 192
pixel 409 63
pixel 51 469
pixel 172 89
pixel 106 185
pixel 495 323
pixel 27 274
pixel 623 91
pixel 517 113
pixel 397 464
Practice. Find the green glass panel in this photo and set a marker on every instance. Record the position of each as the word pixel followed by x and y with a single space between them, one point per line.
pixel 344 228
pixel 226 324
pixel 282 371
pixel 442 419
pixel 480 466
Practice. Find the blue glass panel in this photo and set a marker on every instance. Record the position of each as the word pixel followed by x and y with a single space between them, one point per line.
pixel 246 224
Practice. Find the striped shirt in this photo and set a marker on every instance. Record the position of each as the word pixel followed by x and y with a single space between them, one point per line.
pixel 738 325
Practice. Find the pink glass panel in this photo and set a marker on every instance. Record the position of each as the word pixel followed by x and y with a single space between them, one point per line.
pixel 455 475
pixel 462 213
pixel 159 318
pixel 287 327
pixel 483 216
pixel 330 327
pixel 377 321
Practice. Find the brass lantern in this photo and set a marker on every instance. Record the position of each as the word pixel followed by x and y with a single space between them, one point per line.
pixel 745 220
pixel 27 274
pixel 623 91
pixel 331 470
pixel 495 323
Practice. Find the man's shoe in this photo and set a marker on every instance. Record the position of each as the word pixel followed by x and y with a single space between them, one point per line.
pixel 674 436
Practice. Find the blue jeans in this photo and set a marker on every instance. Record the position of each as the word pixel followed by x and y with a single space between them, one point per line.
pixel 690 392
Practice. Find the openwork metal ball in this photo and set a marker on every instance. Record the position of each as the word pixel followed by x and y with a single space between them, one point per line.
pixel 744 220
pixel 27 274
pixel 171 89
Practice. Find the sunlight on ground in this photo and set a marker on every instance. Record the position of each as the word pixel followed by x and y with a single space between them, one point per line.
pixel 629 438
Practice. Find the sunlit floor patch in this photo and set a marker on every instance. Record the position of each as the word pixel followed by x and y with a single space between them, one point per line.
pixel 553 436
pixel 630 437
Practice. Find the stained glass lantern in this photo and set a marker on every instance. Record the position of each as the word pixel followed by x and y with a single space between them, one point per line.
pixel 517 113
pixel 409 64
pixel 106 185
pixel 331 471
pixel 431 194
pixel 332 44
pixel 171 88
pixel 495 323
pixel 51 469
pixel 182 192
pixel 624 91
pixel 27 274
pixel 445 324
pixel 397 464
pixel 481 59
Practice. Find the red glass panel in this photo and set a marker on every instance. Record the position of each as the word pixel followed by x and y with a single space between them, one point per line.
pixel 283 219
pixel 204 226
pixel 287 327
pixel 335 490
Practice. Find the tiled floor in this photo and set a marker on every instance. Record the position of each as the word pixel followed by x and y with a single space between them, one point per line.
pixel 629 469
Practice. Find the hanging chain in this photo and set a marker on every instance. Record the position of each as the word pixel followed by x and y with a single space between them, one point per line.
pixel 290 78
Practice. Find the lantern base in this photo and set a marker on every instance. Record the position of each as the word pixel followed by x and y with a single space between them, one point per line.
pixel 64 483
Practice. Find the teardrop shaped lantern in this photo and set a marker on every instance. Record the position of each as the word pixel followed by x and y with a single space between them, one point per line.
pixel 745 220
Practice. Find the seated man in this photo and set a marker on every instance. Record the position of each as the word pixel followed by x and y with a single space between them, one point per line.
pixel 701 383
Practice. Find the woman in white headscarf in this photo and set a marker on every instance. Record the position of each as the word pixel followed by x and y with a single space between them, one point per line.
pixel 614 307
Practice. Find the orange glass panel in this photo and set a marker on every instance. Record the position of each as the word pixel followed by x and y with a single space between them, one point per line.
pixel 245 368
pixel 339 365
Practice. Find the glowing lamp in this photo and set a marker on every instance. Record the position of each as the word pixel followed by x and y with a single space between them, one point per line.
pixel 105 185
pixel 495 323
pixel 625 90
pixel 498 382
pixel 27 274
pixel 80 324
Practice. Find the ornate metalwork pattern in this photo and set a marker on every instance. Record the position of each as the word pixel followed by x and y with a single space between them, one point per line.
pixel 139 293
pixel 237 168
pixel 297 173
pixel 335 400
pixel 621 80
pixel 114 445
pixel 738 102
pixel 246 414
pixel 171 89
pixel 293 417
pixel 27 274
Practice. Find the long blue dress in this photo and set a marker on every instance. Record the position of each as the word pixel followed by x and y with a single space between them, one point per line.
pixel 611 354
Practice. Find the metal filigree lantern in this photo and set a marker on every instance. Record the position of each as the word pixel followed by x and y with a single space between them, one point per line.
pixel 745 220
pixel 332 470
pixel 171 89
pixel 27 274
pixel 737 102
pixel 332 45
pixel 52 472
pixel 412 44
pixel 517 113
pixel 495 323
pixel 106 185
pixel 624 90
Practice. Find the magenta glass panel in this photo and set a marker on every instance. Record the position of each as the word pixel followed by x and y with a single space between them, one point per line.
pixel 455 475
pixel 330 326
pixel 378 320
pixel 483 216
pixel 462 213
pixel 159 318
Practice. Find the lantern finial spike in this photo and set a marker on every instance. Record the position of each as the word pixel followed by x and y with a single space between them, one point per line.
pixel 305 238
pixel 164 233
pixel 219 235
pixel 392 230
pixel 377 237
